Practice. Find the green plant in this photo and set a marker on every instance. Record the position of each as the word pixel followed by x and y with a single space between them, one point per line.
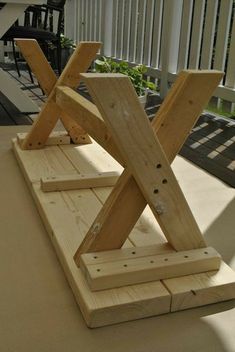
pixel 136 73
pixel 66 43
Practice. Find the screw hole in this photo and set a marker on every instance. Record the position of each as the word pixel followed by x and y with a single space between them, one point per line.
pixel 95 257
pixel 186 256
pixel 205 252
pixel 155 191
pixel 166 259
pixel 125 265
pixel 164 181
pixel 30 144
pixel 159 166
pixel 98 270
pixel 133 252
pixel 151 261
pixel 39 143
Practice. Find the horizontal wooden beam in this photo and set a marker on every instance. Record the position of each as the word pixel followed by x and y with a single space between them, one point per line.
pixel 55 138
pixel 125 271
pixel 68 182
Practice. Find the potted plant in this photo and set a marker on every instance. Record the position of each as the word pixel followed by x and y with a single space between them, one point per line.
pixel 67 48
pixel 136 75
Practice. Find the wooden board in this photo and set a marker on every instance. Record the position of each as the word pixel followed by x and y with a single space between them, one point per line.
pixel 79 208
pixel 68 182
pixel 55 138
pixel 122 271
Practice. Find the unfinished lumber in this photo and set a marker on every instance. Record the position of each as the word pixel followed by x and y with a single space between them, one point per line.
pixel 201 289
pixel 188 96
pixel 68 182
pixel 131 282
pixel 87 115
pixel 50 113
pixel 55 138
pixel 78 208
pixel 145 268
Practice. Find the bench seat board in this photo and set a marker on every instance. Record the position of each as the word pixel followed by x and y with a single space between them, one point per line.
pixel 67 216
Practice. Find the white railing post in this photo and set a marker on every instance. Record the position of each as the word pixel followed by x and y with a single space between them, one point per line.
pixel 172 13
pixel 71 21
pixel 108 27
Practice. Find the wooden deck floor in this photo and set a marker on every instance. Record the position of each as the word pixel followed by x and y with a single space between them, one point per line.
pixel 211 144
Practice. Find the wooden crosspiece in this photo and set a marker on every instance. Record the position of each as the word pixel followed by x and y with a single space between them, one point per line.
pixel 79 62
pixel 177 115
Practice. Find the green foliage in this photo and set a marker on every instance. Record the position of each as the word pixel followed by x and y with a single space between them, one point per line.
pixel 66 42
pixel 136 74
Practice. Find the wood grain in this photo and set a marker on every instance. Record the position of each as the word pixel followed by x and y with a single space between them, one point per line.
pixel 50 113
pixel 183 105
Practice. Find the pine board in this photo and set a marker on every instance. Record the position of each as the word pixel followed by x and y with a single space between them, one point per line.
pixel 79 208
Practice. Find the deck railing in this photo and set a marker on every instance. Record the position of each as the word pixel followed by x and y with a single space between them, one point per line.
pixel 165 35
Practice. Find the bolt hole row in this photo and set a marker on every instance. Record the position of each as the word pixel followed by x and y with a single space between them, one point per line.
pixel 151 261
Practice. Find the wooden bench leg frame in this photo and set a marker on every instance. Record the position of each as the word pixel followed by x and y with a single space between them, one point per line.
pixel 157 279
pixel 79 62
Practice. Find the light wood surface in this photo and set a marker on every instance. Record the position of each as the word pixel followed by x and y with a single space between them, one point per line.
pixel 68 182
pixel 36 301
pixel 187 97
pixel 43 126
pixel 144 157
pixel 79 208
pixel 123 271
pixel 87 115
pixel 55 138
pixel 47 79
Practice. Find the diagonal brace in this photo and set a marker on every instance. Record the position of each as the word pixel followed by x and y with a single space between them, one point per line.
pixel 188 96
pixel 79 62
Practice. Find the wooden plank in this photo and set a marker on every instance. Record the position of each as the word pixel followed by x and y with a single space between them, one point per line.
pixel 126 254
pixel 135 270
pixel 68 182
pixel 201 289
pixel 78 208
pixel 79 62
pixel 38 63
pixel 55 138
pixel 190 93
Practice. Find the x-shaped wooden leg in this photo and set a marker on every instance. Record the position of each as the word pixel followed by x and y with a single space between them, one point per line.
pixel 122 209
pixel 51 112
